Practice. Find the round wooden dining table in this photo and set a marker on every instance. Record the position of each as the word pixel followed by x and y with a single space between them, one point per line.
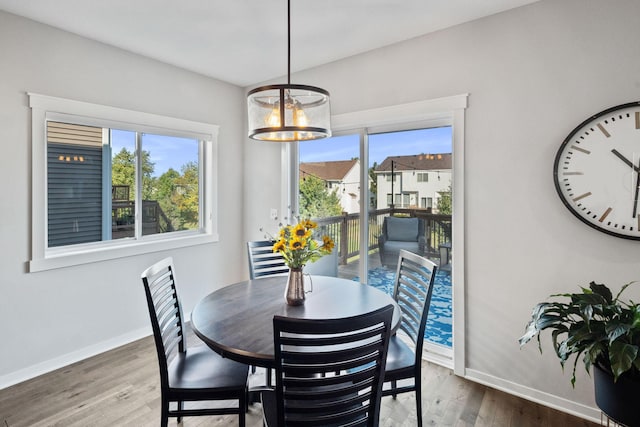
pixel 236 321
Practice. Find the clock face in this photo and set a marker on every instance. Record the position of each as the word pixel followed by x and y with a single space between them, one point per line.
pixel 597 171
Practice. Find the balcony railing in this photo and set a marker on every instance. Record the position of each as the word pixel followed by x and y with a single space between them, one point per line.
pixel 345 230
pixel 154 219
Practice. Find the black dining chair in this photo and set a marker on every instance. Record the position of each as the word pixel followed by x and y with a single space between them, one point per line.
pixel 329 372
pixel 412 291
pixel 263 261
pixel 188 374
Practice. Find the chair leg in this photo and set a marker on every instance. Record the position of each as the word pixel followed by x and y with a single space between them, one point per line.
pixel 180 407
pixel 394 385
pixel 164 415
pixel 418 392
pixel 243 408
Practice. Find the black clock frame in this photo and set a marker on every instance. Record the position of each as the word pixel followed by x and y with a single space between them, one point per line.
pixel 556 162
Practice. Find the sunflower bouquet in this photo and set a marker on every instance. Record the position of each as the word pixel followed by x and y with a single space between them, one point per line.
pixel 297 245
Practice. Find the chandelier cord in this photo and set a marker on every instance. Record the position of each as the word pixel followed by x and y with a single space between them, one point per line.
pixel 289 42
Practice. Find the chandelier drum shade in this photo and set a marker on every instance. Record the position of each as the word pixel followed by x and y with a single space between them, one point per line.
pixel 288 112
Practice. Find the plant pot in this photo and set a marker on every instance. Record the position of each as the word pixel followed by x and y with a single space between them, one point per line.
pixel 619 400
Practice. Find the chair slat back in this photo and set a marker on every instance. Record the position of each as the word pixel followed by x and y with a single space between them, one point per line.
pixel 412 291
pixel 165 312
pixel 330 372
pixel 263 261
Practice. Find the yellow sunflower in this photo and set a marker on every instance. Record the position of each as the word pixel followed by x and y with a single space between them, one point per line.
pixel 301 232
pixel 279 245
pixel 297 244
pixel 307 223
pixel 327 244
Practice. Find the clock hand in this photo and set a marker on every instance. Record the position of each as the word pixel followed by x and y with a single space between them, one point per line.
pixel 635 199
pixel 625 160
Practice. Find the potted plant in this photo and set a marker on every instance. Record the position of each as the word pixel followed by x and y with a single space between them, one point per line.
pixel 605 331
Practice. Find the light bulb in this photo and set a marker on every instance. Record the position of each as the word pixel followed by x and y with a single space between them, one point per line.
pixel 299 117
pixel 273 119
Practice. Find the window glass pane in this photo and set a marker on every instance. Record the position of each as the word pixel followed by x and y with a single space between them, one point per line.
pixel 74 184
pixel 123 183
pixel 170 184
pixel 422 162
pixel 79 167
pixel 329 193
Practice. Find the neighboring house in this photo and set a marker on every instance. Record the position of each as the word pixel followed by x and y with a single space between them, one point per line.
pixel 341 177
pixel 418 180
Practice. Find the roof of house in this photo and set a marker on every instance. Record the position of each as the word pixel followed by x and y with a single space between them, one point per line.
pixel 441 161
pixel 328 171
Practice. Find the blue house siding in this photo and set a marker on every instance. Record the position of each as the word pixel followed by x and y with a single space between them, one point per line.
pixel 74 179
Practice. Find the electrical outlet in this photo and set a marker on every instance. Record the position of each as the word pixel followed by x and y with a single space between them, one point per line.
pixel 274 213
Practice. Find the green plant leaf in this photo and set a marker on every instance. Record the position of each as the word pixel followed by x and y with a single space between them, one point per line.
pixel 591 326
pixel 621 357
pixel 601 290
pixel 615 329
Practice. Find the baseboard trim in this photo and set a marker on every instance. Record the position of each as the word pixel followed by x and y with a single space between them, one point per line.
pixel 73 357
pixel 438 354
pixel 561 404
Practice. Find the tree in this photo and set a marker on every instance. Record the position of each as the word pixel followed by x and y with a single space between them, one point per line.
pixel 165 187
pixel 373 187
pixel 316 201
pixel 444 202
pixel 187 196
pixel 123 172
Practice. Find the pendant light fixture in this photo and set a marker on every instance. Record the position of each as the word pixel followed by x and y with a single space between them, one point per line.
pixel 287 112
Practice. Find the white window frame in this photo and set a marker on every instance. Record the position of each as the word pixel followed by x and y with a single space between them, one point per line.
pixel 45 108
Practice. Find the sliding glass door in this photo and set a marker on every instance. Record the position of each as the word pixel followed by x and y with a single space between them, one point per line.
pixel 356 184
pixel 410 192
pixel 329 192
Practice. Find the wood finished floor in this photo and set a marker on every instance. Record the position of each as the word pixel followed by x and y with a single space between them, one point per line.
pixel 122 388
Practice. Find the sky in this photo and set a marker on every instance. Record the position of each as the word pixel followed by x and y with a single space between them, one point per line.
pixel 421 141
pixel 171 152
pixel 165 151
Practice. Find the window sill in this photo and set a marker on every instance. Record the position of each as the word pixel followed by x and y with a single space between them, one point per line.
pixel 87 254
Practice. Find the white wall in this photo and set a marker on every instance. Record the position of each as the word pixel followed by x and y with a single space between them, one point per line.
pixel 533 74
pixel 51 318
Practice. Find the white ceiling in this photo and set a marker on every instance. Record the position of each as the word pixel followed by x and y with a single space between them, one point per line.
pixel 244 42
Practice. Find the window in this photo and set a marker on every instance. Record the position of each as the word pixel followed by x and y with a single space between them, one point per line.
pixel 109 183
pixel 423 177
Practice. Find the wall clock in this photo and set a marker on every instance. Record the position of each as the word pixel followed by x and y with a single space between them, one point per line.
pixel 597 171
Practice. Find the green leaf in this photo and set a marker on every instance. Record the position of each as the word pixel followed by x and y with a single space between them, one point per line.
pixel 615 329
pixel 601 290
pixel 621 357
